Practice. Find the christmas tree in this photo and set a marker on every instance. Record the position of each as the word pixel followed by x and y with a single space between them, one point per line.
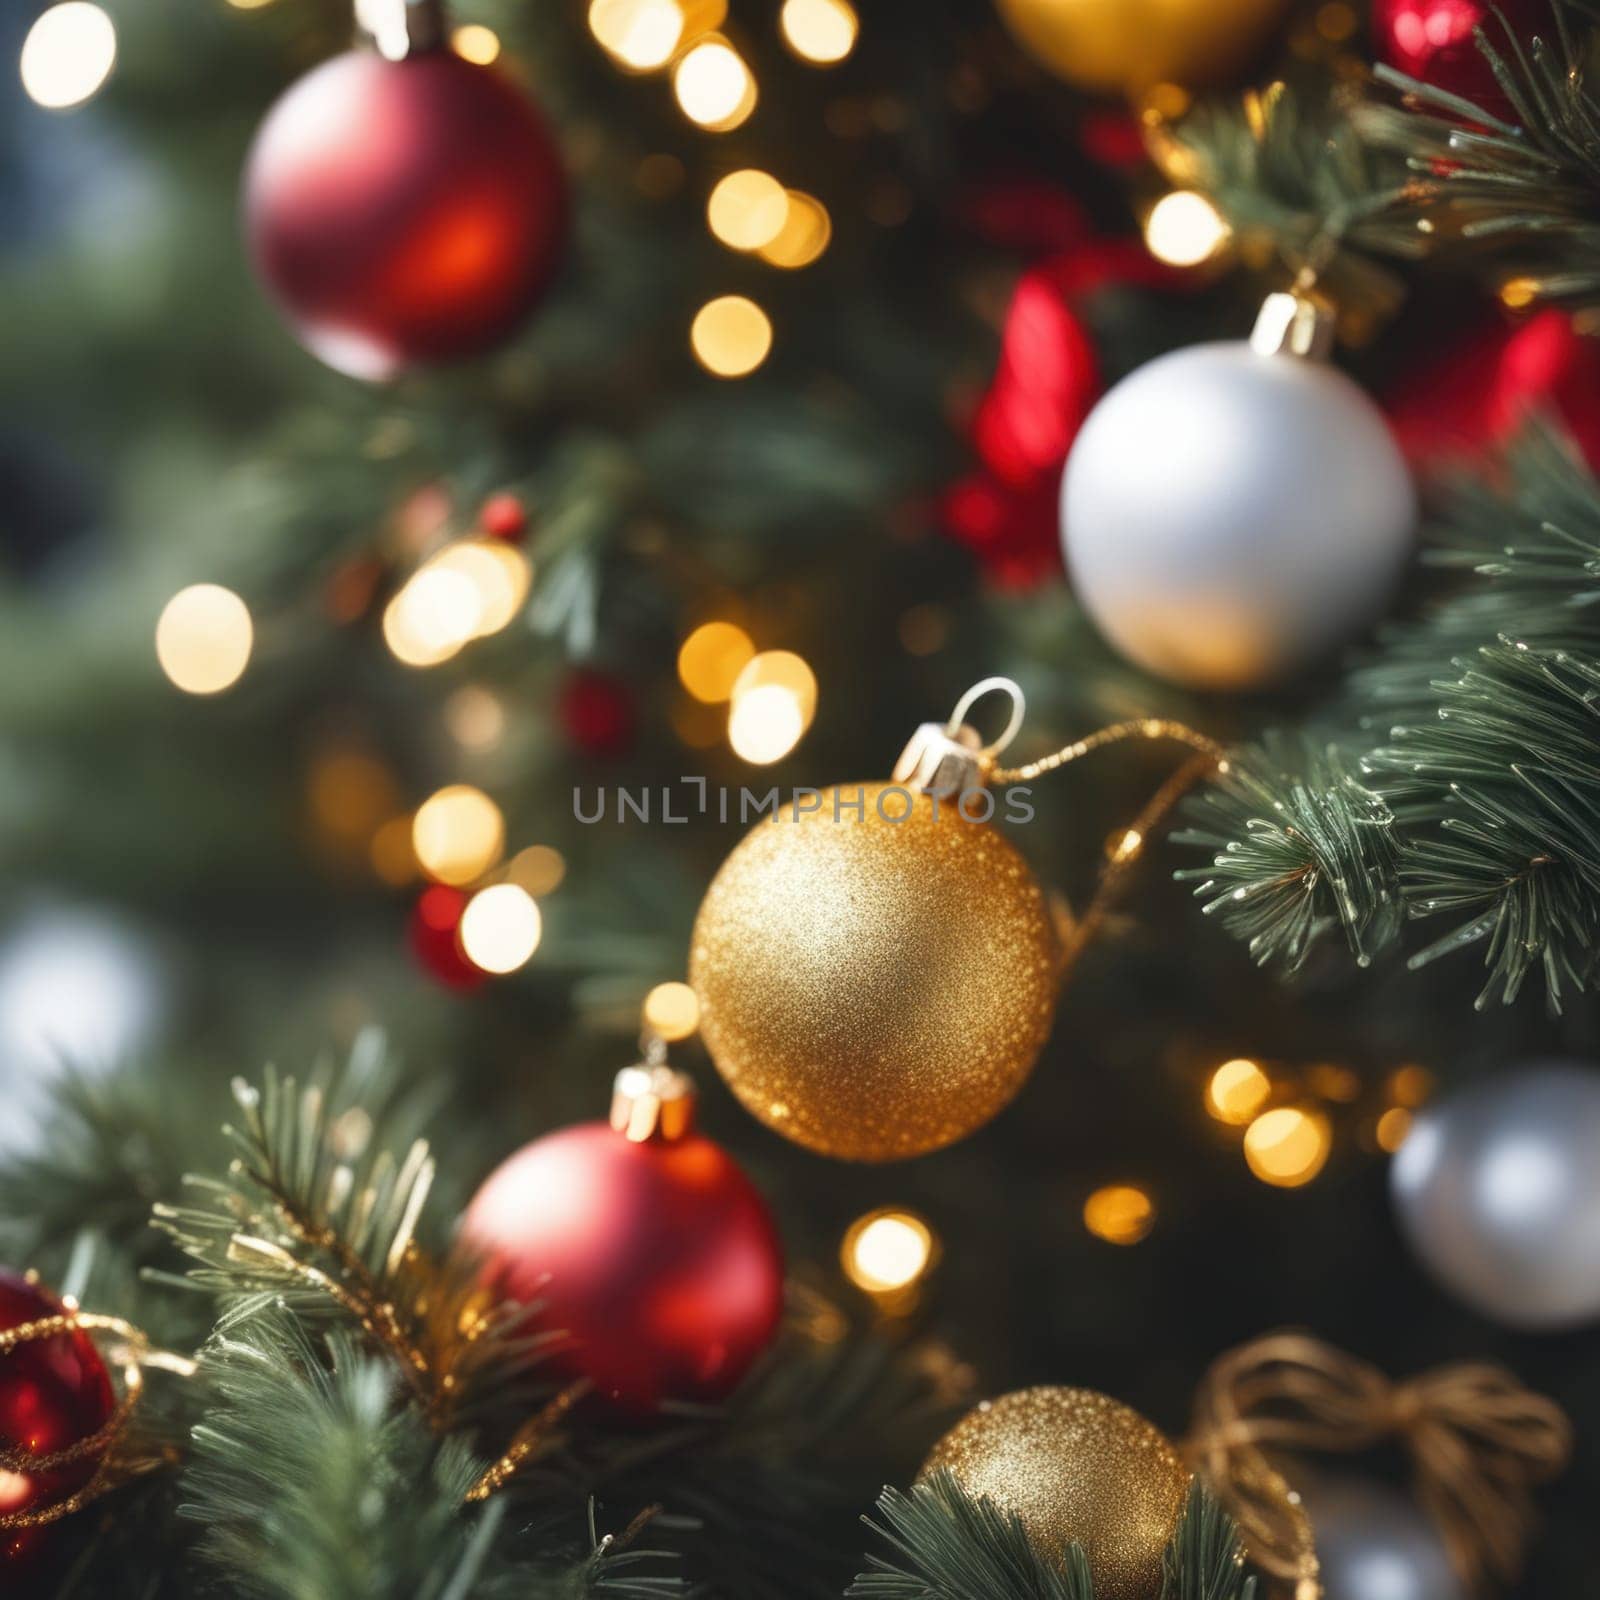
pixel 801 799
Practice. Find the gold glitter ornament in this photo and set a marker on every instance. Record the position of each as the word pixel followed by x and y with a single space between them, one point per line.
pixel 1075 1465
pixel 877 986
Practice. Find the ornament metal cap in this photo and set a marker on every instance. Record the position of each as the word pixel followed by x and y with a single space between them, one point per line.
pixel 652 1101
pixel 949 758
pixel 1294 324
pixel 401 28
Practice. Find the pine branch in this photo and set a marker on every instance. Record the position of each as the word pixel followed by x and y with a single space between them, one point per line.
pixel 1522 195
pixel 1205 1560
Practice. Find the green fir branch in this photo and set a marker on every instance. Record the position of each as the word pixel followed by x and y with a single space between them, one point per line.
pixel 1205 1560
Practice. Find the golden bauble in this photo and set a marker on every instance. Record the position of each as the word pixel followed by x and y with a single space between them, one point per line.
pixel 874 988
pixel 1127 46
pixel 1075 1466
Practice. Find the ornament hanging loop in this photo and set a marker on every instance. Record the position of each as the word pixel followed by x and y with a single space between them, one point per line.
pixel 950 758
pixel 1019 709
pixel 402 28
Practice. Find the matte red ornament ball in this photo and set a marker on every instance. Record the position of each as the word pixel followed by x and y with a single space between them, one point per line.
pixel 657 1259
pixel 403 212
pixel 53 1393
pixel 504 516
pixel 1432 40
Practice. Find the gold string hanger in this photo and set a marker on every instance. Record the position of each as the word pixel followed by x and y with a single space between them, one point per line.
pixel 950 759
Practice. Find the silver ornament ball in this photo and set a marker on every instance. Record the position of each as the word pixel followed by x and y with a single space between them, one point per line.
pixel 1229 515
pixel 1373 1543
pixel 1497 1189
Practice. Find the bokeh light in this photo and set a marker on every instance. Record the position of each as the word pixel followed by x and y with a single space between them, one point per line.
pixel 499 572
pixel 203 638
pixel 731 336
pixel 819 31
pixel 1184 229
pixel 887 1251
pixel 711 659
pixel 475 43
pixel 68 54
pixel 774 701
pixel 1393 1126
pixel 1119 1214
pixel 714 86
pixel 457 834
pixel 672 1011
pixel 747 209
pixel 476 717
pixel 805 233
pixel 641 35
pixel 1410 1085
pixel 1288 1147
pixel 432 617
pixel 538 869
pixel 1237 1091
pixel 500 928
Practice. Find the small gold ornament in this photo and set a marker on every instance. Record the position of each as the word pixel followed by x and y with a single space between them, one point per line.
pixel 877 967
pixel 1128 46
pixel 1075 1466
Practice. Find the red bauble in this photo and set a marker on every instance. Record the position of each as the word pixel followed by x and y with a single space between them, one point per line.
pixel 403 212
pixel 656 1257
pixel 1432 40
pixel 1479 394
pixel 504 517
pixel 436 937
pixel 596 712
pixel 53 1393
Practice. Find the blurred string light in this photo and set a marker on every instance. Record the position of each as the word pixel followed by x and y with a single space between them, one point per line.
pixel 747 209
pixel 1237 1091
pixel 1288 1147
pixel 645 35
pixel 731 336
pixel 469 590
pixel 1184 229
pixel 1120 1213
pixel 538 869
pixel 475 43
pixel 711 659
pixel 203 638
pixel 822 32
pixel 475 717
pixel 672 1011
pixel 774 700
pixel 1392 1128
pixel 68 54
pixel 500 928
pixel 457 834
pixel 806 231
pixel 887 1252
pixel 715 88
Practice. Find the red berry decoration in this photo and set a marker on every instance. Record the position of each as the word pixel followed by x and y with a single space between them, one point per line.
pixel 436 937
pixel 1432 40
pixel 405 211
pixel 642 1241
pixel 54 1393
pixel 504 517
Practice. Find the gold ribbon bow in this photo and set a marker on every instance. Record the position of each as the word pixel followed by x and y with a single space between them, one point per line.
pixel 1478 1442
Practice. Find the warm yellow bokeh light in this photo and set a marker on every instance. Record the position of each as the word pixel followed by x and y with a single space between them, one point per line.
pixel 672 1011
pixel 475 43
pixel 731 336
pixel 765 725
pixel 1184 229
pixel 475 717
pixel 457 834
pixel 711 659
pixel 500 928
pixel 747 209
pixel 68 53
pixel 203 638
pixel 1329 1081
pixel 1237 1091
pixel 1119 1214
pixel 1288 1147
pixel 1410 1085
pixel 641 35
pixel 887 1251
pixel 538 869
pixel 714 86
pixel 806 230
pixel 1393 1126
pixel 499 572
pixel 820 31
pixel 781 669
pixel 432 617
pixel 393 859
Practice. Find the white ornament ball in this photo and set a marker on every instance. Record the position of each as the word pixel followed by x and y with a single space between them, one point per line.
pixel 1497 1190
pixel 1373 1543
pixel 1228 515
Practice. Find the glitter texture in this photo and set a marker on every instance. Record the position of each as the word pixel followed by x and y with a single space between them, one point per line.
pixel 1075 1465
pixel 874 989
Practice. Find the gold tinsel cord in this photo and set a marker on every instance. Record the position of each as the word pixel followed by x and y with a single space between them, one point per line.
pixel 132 1353
pixel 1477 1439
